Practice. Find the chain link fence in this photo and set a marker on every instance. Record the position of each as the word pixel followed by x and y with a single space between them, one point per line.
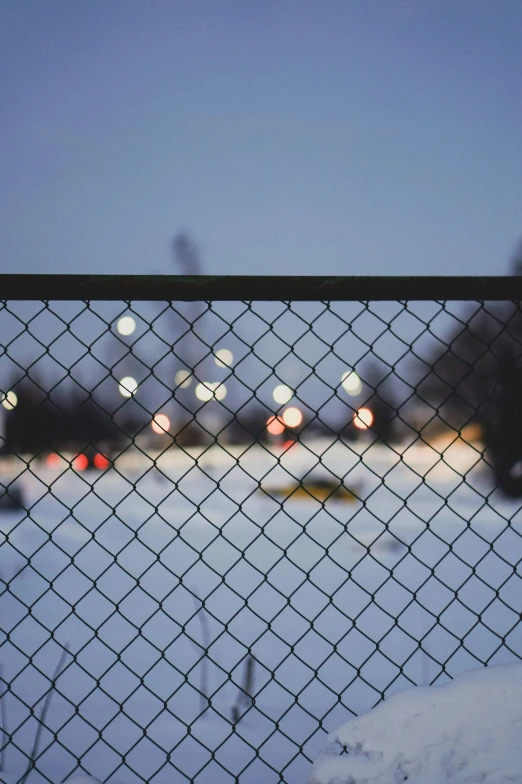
pixel 236 512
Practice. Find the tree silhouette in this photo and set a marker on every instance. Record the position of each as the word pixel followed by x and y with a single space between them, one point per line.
pixel 474 375
pixel 381 400
pixel 61 417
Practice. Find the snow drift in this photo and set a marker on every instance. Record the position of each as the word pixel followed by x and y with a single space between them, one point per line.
pixel 467 730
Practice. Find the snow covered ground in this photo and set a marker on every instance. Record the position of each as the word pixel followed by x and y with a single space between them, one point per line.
pixel 331 601
pixel 464 731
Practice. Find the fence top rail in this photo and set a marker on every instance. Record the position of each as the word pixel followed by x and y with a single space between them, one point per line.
pixel 258 287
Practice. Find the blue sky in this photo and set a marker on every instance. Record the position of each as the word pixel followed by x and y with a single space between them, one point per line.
pixel 355 137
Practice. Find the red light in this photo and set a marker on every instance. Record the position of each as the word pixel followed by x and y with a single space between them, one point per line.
pixel 53 460
pixel 80 463
pixel 101 462
pixel 288 444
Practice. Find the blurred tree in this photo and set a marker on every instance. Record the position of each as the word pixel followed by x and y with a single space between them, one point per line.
pixel 60 417
pixel 502 426
pixel 29 425
pixel 381 400
pixel 188 348
pixel 186 254
pixel 516 260
pixel 474 375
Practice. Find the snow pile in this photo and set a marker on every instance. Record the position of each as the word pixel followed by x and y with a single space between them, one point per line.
pixel 468 730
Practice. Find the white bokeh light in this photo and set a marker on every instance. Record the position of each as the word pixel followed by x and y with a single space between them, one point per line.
pixel 183 378
pixel 127 386
pixel 126 325
pixel 292 417
pixel 282 394
pixel 223 357
pixel 363 418
pixel 160 424
pixel 209 390
pixel 351 382
pixel 10 400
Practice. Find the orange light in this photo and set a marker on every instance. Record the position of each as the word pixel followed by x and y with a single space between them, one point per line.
pixel 160 424
pixel 289 444
pixel 80 463
pixel 100 462
pixel 275 426
pixel 292 417
pixel 53 460
pixel 363 418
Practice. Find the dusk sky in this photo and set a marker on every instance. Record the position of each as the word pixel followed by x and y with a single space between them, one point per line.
pixel 356 137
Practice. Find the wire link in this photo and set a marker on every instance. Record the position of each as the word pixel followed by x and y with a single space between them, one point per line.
pixel 226 527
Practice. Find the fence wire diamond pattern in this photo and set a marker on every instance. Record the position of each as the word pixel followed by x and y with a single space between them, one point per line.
pixel 227 527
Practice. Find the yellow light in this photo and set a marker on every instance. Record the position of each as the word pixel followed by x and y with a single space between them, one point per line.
pixel 208 390
pixel 183 378
pixel 363 418
pixel 275 426
pixel 351 382
pixel 10 400
pixel 160 424
pixel 127 386
pixel 282 394
pixel 292 417
pixel 126 325
pixel 223 357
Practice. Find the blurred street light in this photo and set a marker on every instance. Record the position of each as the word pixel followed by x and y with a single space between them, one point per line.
pixel 10 400
pixel 209 390
pixel 363 418
pixel 126 325
pixel 275 426
pixel 223 357
pixel 160 424
pixel 292 417
pixel 351 382
pixel 127 386
pixel 183 378
pixel 282 394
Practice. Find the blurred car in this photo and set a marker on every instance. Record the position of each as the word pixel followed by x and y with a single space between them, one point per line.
pixel 88 458
pixel 319 488
pixel 11 497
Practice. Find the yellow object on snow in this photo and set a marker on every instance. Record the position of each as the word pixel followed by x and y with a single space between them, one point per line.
pixel 313 489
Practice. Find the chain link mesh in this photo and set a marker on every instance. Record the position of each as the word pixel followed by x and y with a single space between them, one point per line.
pixel 227 527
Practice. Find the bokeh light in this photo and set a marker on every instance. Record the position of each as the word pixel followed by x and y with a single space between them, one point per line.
pixel 80 463
pixel 223 357
pixel 208 390
pixel 126 325
pixel 160 424
pixel 127 386
pixel 282 394
pixel 183 378
pixel 53 460
pixel 220 391
pixel 10 400
pixel 351 382
pixel 363 418
pixel 292 417
pixel 100 462
pixel 275 426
